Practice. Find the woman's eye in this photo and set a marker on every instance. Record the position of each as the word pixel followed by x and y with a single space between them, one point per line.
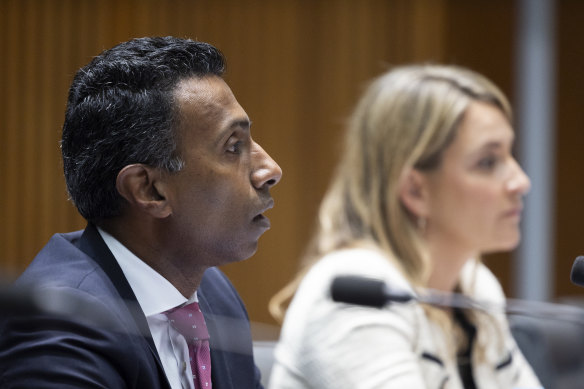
pixel 488 163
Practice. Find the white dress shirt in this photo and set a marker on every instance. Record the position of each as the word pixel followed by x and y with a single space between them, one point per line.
pixel 157 295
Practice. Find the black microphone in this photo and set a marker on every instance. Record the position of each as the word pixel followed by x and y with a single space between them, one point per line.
pixel 365 291
pixel 577 274
pixel 373 292
pixel 22 301
pixel 376 293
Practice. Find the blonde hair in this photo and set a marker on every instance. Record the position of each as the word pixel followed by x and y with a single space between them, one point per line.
pixel 405 120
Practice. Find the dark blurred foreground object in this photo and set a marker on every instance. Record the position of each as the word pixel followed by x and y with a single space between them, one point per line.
pixel 22 302
pixel 554 349
pixel 577 274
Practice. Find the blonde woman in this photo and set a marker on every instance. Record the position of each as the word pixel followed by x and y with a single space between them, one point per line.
pixel 426 184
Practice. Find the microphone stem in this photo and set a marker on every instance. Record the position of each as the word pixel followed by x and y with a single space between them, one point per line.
pixel 535 309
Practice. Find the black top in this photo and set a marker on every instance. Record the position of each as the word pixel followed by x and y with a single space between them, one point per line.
pixel 464 357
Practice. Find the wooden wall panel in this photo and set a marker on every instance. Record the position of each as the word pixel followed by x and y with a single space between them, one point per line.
pixel 296 66
pixel 570 145
pixel 34 84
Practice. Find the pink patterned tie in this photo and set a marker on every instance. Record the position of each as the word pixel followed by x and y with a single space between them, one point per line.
pixel 190 323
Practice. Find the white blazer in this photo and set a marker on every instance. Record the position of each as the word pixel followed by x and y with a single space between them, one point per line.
pixel 324 344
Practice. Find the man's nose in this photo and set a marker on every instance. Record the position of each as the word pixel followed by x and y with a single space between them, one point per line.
pixel 267 172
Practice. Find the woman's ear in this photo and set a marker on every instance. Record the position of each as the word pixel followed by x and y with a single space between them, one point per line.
pixel 413 192
pixel 143 189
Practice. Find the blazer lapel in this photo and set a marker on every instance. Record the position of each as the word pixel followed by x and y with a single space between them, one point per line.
pixel 92 244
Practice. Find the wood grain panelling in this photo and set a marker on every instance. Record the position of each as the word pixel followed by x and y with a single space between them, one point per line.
pixel 297 67
pixel 570 145
pixel 34 83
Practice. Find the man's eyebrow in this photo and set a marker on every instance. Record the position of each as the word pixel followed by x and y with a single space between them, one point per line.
pixel 241 123
pixel 244 123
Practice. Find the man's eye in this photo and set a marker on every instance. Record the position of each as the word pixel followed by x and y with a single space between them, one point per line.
pixel 235 148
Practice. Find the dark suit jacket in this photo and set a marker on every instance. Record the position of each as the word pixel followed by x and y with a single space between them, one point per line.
pixel 110 346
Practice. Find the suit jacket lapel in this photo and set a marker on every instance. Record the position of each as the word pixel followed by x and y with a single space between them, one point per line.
pixel 92 244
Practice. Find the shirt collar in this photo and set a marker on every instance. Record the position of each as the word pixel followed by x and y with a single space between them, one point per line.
pixel 155 293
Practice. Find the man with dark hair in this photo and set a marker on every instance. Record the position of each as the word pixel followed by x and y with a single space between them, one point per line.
pixel 159 159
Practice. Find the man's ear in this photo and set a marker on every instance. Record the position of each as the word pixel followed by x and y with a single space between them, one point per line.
pixel 142 187
pixel 413 192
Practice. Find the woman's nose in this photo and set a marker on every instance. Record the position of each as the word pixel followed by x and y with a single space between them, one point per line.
pixel 519 182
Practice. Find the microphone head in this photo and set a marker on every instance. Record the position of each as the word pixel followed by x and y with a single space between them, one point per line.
pixel 577 274
pixel 359 291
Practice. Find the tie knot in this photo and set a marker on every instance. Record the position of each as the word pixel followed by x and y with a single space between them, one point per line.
pixel 188 320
